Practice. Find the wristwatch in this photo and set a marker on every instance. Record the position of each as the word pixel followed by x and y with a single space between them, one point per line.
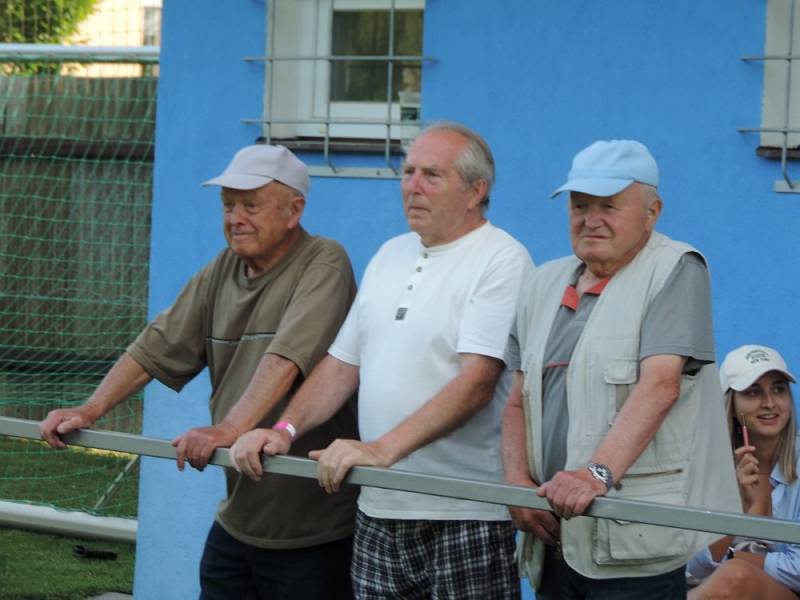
pixel 601 473
pixel 753 546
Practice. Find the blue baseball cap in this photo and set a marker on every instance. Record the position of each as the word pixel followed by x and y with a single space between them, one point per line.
pixel 609 166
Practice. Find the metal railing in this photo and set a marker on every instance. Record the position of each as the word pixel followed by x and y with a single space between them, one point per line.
pixel 496 493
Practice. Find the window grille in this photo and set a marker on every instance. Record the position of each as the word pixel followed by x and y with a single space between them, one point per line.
pixel 779 129
pixel 343 78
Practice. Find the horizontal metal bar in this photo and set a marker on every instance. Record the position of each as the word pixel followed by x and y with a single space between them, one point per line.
pixel 767 130
pixel 346 57
pixel 251 121
pixel 772 57
pixel 481 491
pixel 62 53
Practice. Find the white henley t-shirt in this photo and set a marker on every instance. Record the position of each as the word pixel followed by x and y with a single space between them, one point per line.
pixel 417 309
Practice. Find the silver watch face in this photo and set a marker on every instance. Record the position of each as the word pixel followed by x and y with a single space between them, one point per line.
pixel 602 473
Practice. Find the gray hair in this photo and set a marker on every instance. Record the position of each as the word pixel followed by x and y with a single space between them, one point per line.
pixel 476 162
pixel 648 192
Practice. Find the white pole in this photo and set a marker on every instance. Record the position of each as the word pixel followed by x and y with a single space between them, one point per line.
pixel 78 524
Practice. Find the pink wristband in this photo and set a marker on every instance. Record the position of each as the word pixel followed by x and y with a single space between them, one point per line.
pixel 288 427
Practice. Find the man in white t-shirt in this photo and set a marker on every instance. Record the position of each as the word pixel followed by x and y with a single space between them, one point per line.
pixel 423 345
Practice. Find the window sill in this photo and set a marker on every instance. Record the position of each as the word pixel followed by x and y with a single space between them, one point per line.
pixel 774 153
pixel 338 145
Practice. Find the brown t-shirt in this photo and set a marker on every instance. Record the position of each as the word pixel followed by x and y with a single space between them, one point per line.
pixel 225 321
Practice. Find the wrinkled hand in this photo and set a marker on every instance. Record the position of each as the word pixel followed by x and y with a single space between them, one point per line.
pixel 747 474
pixel 336 460
pixel 571 492
pixel 246 452
pixel 61 421
pixel 197 445
pixel 541 523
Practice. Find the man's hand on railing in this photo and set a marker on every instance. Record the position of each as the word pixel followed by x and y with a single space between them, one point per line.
pixel 335 461
pixel 541 523
pixel 246 453
pixel 571 492
pixel 197 445
pixel 61 421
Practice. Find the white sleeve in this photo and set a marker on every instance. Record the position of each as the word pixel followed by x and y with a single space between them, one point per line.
pixel 346 345
pixel 490 311
pixel 701 565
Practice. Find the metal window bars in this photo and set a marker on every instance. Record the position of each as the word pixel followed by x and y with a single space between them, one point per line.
pixel 786 184
pixel 329 169
pixel 762 528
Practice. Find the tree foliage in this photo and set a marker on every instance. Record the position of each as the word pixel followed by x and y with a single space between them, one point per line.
pixel 42 21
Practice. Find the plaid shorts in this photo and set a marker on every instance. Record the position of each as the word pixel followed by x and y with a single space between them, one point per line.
pixel 434 559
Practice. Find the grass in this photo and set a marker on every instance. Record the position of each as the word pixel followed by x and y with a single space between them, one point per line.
pixel 41 566
pixel 71 479
pixel 36 566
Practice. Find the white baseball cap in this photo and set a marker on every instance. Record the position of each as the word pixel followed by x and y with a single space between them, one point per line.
pixel 260 164
pixel 743 366
pixel 609 166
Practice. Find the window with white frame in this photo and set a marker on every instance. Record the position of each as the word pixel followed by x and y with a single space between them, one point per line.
pixel 339 70
pixel 781 75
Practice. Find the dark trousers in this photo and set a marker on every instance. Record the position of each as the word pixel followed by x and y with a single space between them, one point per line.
pixel 232 570
pixel 562 582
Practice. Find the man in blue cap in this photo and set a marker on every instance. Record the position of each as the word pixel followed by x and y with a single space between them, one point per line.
pixel 615 392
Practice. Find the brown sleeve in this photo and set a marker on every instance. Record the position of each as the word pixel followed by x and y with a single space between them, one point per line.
pixel 316 309
pixel 171 348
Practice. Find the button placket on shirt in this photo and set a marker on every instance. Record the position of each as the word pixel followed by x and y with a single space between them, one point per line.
pixel 414 279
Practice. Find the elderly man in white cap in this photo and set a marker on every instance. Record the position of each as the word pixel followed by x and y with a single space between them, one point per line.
pixel 615 392
pixel 259 316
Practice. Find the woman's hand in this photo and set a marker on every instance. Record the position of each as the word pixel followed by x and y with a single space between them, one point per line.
pixel 747 475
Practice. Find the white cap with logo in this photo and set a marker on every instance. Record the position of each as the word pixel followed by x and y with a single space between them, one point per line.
pixel 743 366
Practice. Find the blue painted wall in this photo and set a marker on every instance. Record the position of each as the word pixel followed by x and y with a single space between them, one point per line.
pixel 541 80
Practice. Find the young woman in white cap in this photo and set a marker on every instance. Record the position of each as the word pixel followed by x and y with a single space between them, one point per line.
pixel 763 437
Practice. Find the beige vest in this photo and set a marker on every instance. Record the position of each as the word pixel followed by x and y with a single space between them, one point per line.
pixel 688 462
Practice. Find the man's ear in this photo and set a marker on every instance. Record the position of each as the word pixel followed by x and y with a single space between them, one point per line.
pixel 653 212
pixel 478 192
pixel 296 207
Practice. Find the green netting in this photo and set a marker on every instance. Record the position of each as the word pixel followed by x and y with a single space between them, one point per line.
pixel 75 190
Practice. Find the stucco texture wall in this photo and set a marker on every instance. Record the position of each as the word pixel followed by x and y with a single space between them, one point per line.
pixel 540 80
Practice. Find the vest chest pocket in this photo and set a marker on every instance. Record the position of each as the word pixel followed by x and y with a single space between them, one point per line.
pixel 621 375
